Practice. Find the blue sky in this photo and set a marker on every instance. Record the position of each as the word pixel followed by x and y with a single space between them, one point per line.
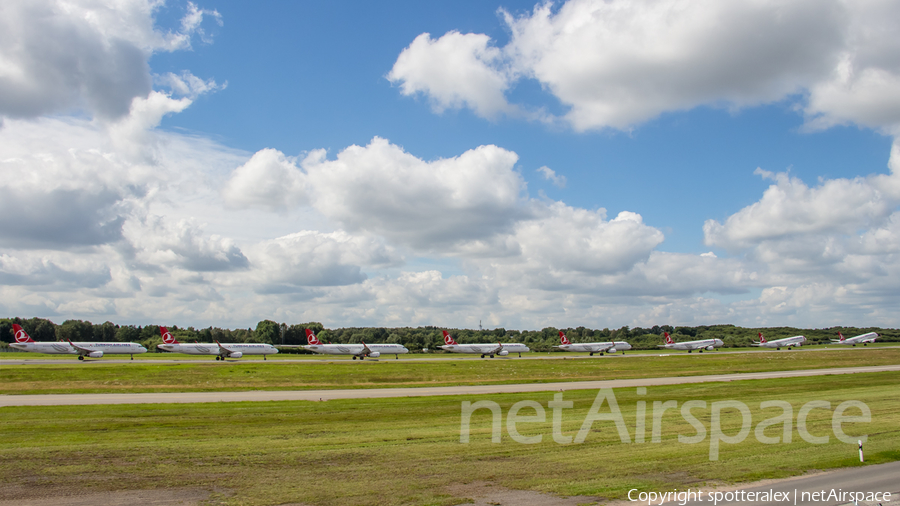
pixel 527 165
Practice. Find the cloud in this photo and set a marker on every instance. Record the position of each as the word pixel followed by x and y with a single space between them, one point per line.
pixel 457 70
pixel 269 180
pixel 80 55
pixel 428 206
pixel 790 209
pixel 557 180
pixel 297 262
pixel 620 64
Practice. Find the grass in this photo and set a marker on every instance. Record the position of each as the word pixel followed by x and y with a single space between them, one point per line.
pixel 100 377
pixel 407 450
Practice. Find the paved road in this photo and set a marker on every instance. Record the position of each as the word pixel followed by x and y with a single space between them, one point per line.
pixel 324 395
pixel 175 358
pixel 799 490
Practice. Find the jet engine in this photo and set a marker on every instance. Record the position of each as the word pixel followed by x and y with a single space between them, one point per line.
pixel 374 354
pixel 95 354
pixel 502 353
pixel 710 348
pixel 611 350
pixel 236 354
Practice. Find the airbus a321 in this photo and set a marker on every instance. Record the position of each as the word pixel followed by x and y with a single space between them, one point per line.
pixel 490 349
pixel 702 344
pixel 221 351
pixel 779 343
pixel 601 348
pixel 359 351
pixel 91 350
pixel 853 341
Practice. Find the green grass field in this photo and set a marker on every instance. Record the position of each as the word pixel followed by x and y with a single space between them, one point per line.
pixel 100 377
pixel 408 450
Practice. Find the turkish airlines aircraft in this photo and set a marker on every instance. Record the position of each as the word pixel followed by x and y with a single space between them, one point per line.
pixel 490 350
pixel 778 343
pixel 221 351
pixel 607 347
pixel 360 351
pixel 702 344
pixel 92 350
pixel 853 341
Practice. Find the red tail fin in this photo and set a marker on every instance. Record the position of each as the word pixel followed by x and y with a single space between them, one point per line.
pixel 563 339
pixel 448 339
pixel 311 337
pixel 761 338
pixel 669 339
pixel 21 335
pixel 841 335
pixel 167 336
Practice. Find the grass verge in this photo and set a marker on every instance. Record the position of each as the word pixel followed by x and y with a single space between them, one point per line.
pixel 408 450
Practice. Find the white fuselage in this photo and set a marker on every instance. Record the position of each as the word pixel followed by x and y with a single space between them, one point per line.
pixel 694 345
pixel 486 349
pixel 607 347
pixel 783 343
pixel 357 350
pixel 215 349
pixel 862 339
pixel 60 348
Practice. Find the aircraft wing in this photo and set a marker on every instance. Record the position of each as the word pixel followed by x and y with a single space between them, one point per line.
pixel 222 348
pixel 80 349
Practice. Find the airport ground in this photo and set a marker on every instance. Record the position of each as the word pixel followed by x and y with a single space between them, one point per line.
pixel 178 375
pixel 408 450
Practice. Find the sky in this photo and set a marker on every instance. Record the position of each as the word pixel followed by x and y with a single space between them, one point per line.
pixel 514 164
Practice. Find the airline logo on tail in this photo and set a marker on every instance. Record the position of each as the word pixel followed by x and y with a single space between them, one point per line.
pixel 311 337
pixel 761 338
pixel 167 336
pixel 563 339
pixel 21 335
pixel 447 339
pixel 839 334
pixel 669 339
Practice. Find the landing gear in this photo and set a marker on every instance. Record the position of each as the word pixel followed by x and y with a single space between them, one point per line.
pixel 701 351
pixel 591 354
pixel 396 357
pixel 218 357
pixel 520 355
pixel 482 356
pixel 354 357
pixel 264 357
pixel 80 357
pixel 492 356
pixel 779 348
pixel 362 357
pixel 690 351
pixel 132 357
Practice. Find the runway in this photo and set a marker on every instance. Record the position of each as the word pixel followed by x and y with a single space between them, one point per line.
pixel 174 358
pixel 371 393
pixel 798 490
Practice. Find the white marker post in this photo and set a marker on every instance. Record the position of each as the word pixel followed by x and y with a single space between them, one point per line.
pixel 860 451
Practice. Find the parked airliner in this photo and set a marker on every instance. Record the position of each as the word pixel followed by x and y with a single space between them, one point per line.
pixel 221 351
pixel 360 351
pixel 91 350
pixel 499 349
pixel 778 343
pixel 607 347
pixel 702 344
pixel 853 341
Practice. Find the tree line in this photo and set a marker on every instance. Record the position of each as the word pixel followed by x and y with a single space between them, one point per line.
pixel 414 338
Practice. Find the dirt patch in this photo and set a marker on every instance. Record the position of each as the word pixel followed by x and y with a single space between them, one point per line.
pixel 154 497
pixel 487 494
